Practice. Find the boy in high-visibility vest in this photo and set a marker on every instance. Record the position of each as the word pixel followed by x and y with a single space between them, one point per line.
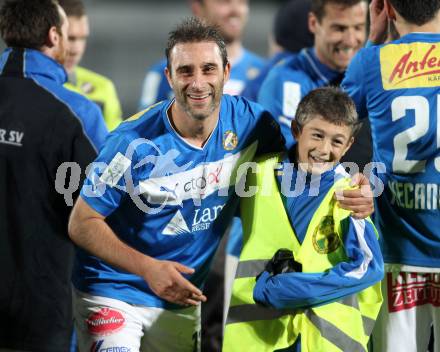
pixel 322 287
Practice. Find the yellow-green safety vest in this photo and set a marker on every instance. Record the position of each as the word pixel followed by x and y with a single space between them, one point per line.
pixel 100 90
pixel 344 325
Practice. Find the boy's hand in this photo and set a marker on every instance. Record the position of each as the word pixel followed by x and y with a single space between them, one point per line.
pixel 359 201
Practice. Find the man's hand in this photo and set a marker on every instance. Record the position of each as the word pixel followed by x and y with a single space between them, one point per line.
pixel 166 281
pixel 378 22
pixel 359 201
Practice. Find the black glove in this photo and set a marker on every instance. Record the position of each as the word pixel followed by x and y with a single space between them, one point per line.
pixel 283 262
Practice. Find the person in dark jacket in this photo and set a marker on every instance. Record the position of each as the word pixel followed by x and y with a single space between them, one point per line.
pixel 42 126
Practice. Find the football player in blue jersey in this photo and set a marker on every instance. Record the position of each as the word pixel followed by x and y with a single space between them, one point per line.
pixel 158 199
pixel 156 255
pixel 398 86
pixel 339 29
pixel 290 35
pixel 230 16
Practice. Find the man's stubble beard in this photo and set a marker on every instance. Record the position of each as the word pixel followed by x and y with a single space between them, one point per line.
pixel 215 102
pixel 199 116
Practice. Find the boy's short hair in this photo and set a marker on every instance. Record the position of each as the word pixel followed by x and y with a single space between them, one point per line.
pixel 330 103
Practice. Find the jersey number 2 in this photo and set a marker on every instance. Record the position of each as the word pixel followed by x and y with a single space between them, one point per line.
pixel 420 105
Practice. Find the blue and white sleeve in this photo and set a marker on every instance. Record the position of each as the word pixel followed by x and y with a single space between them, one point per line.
pixel 155 87
pixel 281 96
pixel 363 268
pixel 107 177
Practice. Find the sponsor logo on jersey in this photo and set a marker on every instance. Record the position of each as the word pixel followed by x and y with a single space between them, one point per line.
pixel 105 322
pixel 324 238
pixel 414 65
pixel 408 290
pixel 196 183
pixel 199 184
pixel 203 218
pixel 230 140
pixel 96 347
pixel 176 226
pixel 11 137
pixel 170 191
pixel 115 170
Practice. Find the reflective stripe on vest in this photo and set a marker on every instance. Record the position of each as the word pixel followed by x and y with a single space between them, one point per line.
pixel 333 334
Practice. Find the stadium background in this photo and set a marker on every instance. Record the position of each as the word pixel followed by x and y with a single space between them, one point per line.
pixel 127 36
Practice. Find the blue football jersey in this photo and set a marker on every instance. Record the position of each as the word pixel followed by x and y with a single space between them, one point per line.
pixel 167 198
pixel 246 67
pixel 156 88
pixel 398 86
pixel 288 82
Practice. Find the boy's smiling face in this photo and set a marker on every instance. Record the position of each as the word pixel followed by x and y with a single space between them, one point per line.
pixel 321 144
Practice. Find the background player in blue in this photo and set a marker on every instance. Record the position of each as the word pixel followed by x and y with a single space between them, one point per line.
pixel 339 30
pixel 230 16
pixel 183 170
pixel 398 86
pixel 290 35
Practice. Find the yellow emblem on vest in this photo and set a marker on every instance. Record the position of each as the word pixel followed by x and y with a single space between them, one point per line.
pixel 324 239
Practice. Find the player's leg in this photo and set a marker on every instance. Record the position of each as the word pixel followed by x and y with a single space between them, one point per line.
pixel 103 323
pixel 171 330
pixel 404 321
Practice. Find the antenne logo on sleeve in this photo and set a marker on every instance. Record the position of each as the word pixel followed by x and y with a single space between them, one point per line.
pixel 414 65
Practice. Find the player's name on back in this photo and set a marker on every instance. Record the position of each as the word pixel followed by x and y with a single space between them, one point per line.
pixel 423 196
